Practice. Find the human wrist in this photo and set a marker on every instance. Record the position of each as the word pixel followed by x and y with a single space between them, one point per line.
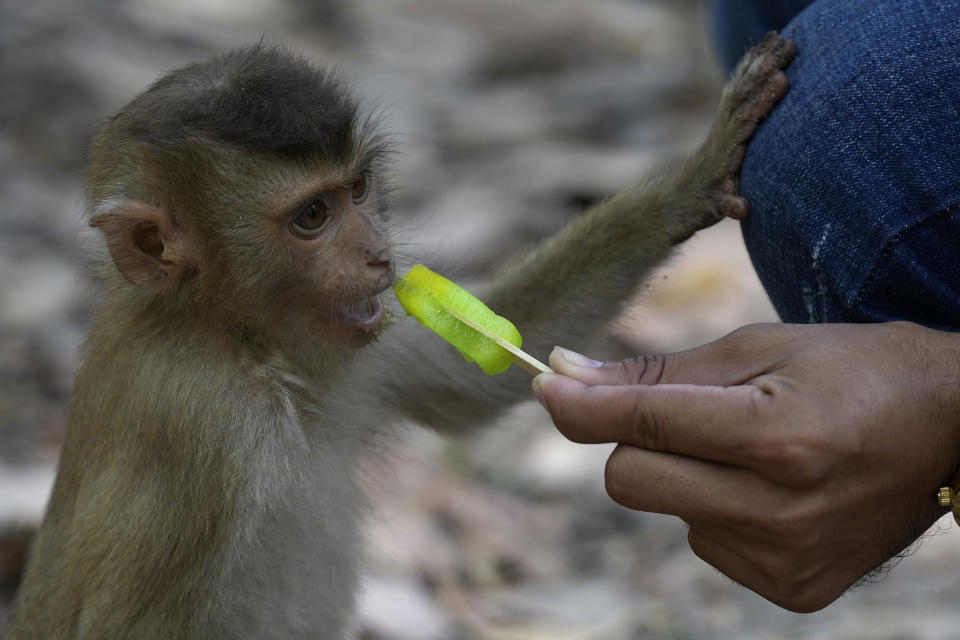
pixel 942 348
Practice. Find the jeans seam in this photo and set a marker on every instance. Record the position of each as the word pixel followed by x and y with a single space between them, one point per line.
pixel 817 293
pixel 870 284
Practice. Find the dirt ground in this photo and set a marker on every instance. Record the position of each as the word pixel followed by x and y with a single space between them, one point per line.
pixel 512 116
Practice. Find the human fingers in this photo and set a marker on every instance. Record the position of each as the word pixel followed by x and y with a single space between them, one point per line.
pixel 746 527
pixel 692 489
pixel 713 423
pixel 734 359
pixel 794 592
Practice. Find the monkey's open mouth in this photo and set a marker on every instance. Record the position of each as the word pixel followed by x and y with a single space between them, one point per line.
pixel 366 314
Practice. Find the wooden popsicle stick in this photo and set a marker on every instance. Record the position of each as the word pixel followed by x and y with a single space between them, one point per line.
pixel 521 358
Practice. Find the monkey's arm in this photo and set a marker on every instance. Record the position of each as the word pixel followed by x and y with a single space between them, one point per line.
pixel 569 289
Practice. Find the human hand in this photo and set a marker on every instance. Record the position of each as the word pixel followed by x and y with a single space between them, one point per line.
pixel 801 456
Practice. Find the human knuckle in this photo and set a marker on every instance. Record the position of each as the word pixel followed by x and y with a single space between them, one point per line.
pixel 741 337
pixel 796 461
pixel 750 331
pixel 897 326
pixel 629 370
pixel 643 369
pixel 804 470
pixel 646 428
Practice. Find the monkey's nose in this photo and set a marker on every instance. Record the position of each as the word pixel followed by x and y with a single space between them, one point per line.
pixel 380 268
pixel 379 259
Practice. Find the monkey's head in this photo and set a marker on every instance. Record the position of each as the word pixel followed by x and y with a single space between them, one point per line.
pixel 247 189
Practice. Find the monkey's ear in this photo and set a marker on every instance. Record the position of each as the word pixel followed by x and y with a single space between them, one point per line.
pixel 148 249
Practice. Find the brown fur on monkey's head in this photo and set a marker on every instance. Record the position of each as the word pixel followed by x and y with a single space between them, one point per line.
pixel 197 181
pixel 259 97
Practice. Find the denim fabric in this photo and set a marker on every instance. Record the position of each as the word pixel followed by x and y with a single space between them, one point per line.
pixel 854 180
pixel 740 24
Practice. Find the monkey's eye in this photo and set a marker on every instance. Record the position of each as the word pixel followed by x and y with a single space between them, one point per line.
pixel 313 218
pixel 360 189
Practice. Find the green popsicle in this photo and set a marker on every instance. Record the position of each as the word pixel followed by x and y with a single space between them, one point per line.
pixel 479 334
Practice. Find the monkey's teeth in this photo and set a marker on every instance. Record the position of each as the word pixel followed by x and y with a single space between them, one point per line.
pixel 359 309
pixel 365 313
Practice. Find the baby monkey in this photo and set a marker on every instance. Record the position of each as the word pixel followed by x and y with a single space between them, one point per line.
pixel 239 364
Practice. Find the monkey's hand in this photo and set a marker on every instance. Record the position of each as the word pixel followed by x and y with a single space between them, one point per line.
pixel 754 89
pixel 571 286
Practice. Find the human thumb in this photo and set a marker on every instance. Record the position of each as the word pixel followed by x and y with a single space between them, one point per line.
pixel 729 361
pixel 589 371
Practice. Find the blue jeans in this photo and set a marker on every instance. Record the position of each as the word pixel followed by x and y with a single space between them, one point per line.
pixel 854 180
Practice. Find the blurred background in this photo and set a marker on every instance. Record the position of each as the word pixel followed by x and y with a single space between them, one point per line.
pixel 512 116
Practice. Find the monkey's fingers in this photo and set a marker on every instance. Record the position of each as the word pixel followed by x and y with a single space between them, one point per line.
pixel 761 103
pixel 754 71
pixel 736 207
pixel 757 86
